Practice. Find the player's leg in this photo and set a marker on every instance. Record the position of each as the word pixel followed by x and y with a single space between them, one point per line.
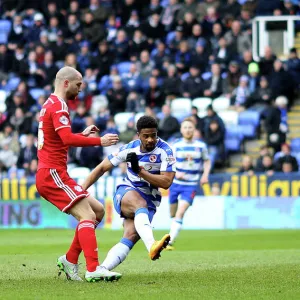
pixel 98 209
pixel 84 213
pixel 118 253
pixel 134 206
pixel 187 197
pixel 174 192
pixel 75 248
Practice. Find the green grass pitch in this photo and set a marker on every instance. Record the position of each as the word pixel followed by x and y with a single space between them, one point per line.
pixel 242 264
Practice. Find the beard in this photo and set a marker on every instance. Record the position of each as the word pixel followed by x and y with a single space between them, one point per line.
pixel 71 95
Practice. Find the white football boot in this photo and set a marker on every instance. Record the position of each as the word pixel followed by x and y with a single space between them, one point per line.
pixel 71 270
pixel 102 273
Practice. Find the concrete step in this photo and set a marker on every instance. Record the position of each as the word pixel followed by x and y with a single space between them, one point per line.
pixel 293 114
pixel 294 121
pixel 231 170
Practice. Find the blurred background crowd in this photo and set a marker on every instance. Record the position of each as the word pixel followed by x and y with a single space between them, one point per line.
pixel 166 58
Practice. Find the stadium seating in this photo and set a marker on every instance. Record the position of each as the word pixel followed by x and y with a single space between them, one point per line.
pixel 233 145
pixel 121 120
pixel 181 105
pixel 124 67
pixel 201 103
pixel 249 118
pixel 137 116
pixel 295 145
pixel 220 104
pixel 98 102
pixel 12 84
pixel 5 27
pixel 36 93
pixel 229 117
pixel 170 37
pixel 3 96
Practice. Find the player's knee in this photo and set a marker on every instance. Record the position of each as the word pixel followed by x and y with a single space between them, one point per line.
pixel 100 212
pixel 88 215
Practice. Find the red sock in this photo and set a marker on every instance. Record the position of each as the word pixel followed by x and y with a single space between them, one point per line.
pixel 75 249
pixel 88 243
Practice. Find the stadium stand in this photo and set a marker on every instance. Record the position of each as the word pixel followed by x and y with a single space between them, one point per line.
pixel 138 56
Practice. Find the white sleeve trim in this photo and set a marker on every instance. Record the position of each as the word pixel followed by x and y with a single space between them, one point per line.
pixel 67 126
pixel 60 111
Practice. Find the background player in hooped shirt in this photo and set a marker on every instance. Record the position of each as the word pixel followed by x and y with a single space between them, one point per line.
pixel 54 184
pixel 191 156
pixel 150 166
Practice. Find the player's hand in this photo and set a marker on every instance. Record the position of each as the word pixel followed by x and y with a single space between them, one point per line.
pixel 90 130
pixel 134 162
pixel 109 139
pixel 204 179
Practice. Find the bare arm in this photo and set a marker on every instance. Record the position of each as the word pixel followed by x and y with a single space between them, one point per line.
pixel 164 180
pixel 103 167
pixel 206 171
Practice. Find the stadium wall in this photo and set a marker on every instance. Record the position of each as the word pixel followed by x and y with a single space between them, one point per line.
pixel 244 202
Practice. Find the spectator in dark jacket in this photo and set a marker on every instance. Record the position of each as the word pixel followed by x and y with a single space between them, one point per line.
pixel 154 96
pixel 103 59
pixel 172 83
pixel 293 65
pixel 267 165
pixel 266 63
pixel 214 138
pixel 28 153
pixel 121 47
pixel 152 28
pixel 168 125
pixel 212 115
pixel 193 86
pixel 264 150
pixel 92 31
pixel 215 84
pixel 286 156
pixel 116 97
pixel 262 96
pixel 275 128
pixel 281 82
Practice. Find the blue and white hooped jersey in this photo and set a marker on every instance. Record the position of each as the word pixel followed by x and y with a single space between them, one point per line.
pixel 189 160
pixel 161 159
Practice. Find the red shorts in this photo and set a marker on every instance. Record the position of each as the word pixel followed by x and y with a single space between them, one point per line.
pixel 59 188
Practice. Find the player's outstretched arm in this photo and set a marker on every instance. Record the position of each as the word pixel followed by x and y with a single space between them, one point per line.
pixel 75 140
pixel 163 180
pixel 103 167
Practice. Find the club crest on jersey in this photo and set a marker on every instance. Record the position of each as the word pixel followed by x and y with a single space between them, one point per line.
pixel 152 158
pixel 78 188
pixel 64 120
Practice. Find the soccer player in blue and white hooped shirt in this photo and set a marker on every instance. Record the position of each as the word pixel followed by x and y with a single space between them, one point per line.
pixel 192 166
pixel 150 166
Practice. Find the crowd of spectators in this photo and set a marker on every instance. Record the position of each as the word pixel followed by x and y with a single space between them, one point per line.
pixel 138 56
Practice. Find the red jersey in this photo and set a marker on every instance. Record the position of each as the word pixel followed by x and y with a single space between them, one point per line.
pixel 54 115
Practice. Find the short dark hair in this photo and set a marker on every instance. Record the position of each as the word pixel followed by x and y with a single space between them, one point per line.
pixel 146 122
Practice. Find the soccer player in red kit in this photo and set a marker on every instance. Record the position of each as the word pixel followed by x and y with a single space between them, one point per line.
pixel 54 183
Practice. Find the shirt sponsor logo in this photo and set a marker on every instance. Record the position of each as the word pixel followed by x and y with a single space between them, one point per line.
pixel 170 159
pixel 64 120
pixel 152 158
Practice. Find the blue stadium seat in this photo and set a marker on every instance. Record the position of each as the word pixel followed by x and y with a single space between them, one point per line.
pixel 170 37
pixel 233 145
pixel 12 84
pixel 295 145
pixel 234 132
pixel 105 83
pixel 124 67
pixel 249 131
pixel 5 27
pixel 36 93
pixel 249 118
